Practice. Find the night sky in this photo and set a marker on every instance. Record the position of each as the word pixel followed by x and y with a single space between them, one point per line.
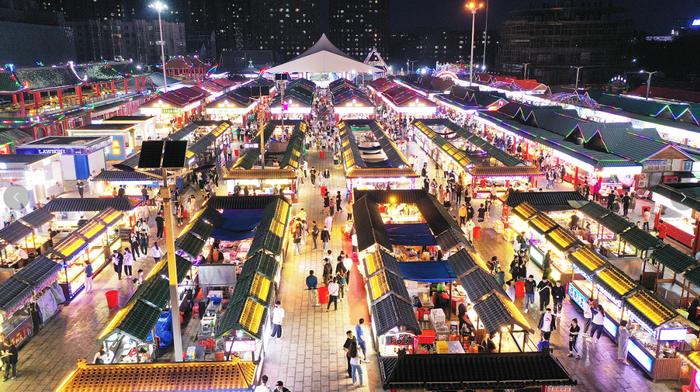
pixel 651 16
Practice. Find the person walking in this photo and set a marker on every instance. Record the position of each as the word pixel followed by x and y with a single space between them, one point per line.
pixel 314 233
pixel 356 367
pixel 312 287
pixel 277 317
pixel 350 346
pixel 160 226
pixel 574 330
pixel 587 315
pixel 626 199
pixel 529 292
pixel 623 340
pixel 340 279
pixel 134 242
pixel 297 239
pixel 280 387
pixel 333 291
pixel 262 387
pixel 327 270
pixel 544 288
pixel 325 237
pixel 117 262
pixel 547 323
pixel 597 322
pixel 360 334
pixel 156 252
pixel 81 188
pixel 128 263
pixel 558 294
pixel 88 276
pixel 143 238
pixel 11 356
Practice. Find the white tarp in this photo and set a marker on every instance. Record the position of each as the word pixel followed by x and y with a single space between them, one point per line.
pixel 323 57
pixel 215 275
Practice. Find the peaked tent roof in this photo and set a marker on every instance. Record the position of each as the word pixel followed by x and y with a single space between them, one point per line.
pixel 323 57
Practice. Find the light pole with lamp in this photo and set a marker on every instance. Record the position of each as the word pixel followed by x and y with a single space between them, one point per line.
pixel 578 70
pixel 159 6
pixel 472 6
pixel 169 157
pixel 486 36
pixel 648 80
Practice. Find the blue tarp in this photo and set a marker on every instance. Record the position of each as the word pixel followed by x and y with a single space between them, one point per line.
pixel 427 271
pixel 410 234
pixel 238 224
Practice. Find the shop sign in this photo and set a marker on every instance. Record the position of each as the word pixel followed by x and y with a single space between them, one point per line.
pixel 22 333
pixel 53 150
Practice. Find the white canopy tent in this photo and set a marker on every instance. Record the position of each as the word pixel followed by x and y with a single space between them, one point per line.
pixel 323 57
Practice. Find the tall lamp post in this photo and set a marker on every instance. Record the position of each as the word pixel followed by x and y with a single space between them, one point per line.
pixel 159 6
pixel 472 6
pixel 486 36
pixel 166 193
pixel 648 80
pixel 578 70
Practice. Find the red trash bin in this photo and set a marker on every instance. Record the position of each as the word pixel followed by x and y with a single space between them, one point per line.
pixel 476 233
pixel 321 154
pixel 520 289
pixel 323 295
pixel 112 299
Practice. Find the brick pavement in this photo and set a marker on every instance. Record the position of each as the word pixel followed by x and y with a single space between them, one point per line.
pixel 598 370
pixel 309 356
pixel 72 334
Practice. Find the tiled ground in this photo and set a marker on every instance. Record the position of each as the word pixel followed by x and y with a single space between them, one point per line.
pixel 309 357
pixel 52 354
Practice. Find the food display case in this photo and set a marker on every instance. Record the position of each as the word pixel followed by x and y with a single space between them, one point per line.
pixel 661 332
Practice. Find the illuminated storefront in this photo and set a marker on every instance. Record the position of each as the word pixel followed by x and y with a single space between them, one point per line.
pixel 81 156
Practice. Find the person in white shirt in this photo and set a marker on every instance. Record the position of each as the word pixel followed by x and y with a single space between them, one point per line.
pixel 263 385
pixel 128 262
pixel 347 263
pixel 277 317
pixel 333 291
pixel 328 222
pixel 156 252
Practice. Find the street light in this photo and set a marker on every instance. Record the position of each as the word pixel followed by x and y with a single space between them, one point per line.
pixel 166 195
pixel 486 36
pixel 641 71
pixel 159 6
pixel 578 69
pixel 472 6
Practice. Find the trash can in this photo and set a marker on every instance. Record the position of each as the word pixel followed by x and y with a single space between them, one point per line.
pixel 112 299
pixel 519 289
pixel 321 154
pixel 476 233
pixel 323 295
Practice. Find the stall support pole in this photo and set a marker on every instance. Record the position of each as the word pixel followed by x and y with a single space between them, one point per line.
pixel 172 269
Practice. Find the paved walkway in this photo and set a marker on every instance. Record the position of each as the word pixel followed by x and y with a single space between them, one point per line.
pixel 310 356
pixel 52 354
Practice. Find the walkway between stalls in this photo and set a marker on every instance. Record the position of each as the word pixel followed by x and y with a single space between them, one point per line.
pixel 53 353
pixel 310 356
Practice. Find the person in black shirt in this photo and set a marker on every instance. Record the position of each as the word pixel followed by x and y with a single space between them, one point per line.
pixel 611 199
pixel 481 213
pixel 545 291
pixel 626 199
pixel 350 348
pixel 558 295
pixel 160 225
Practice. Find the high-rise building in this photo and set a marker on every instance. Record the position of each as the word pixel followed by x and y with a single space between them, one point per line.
pixel 358 26
pixel 120 39
pixel 553 36
pixel 288 27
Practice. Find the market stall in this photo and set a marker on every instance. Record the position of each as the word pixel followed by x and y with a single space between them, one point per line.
pixel 145 126
pixel 284 151
pixel 94 241
pixel 28 295
pixel 371 160
pixel 678 205
pixel 175 107
pixel 349 101
pixel 142 328
pixel 80 156
pixel 40 175
pixel 122 137
pixel 232 107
